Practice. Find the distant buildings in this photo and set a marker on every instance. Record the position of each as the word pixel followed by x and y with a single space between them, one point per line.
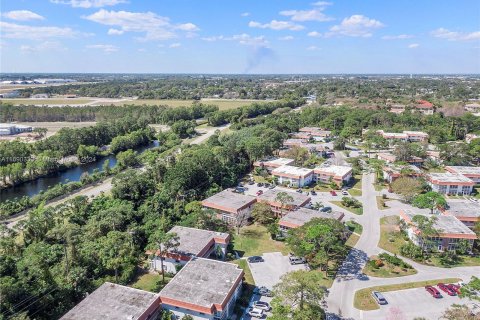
pixel 391 158
pixel 425 107
pixel 272 164
pixel 113 301
pixel 392 172
pixel 411 136
pixel 450 231
pixel 12 128
pixel 450 183
pixel 229 205
pixel 204 289
pixel 192 243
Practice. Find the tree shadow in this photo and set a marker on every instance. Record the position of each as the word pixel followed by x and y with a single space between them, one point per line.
pixel 352 266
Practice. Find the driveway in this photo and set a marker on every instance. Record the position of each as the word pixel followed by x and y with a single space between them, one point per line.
pixel 269 272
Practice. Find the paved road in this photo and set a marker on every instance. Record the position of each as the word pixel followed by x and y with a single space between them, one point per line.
pixel 350 278
pixel 207 133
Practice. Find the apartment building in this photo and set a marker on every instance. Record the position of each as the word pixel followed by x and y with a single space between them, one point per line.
pixel 450 183
pixel 337 174
pixel 204 289
pixel 450 231
pixel 192 243
pixel 112 301
pixel 271 197
pixel 293 176
pixel 466 211
pixel 412 136
pixel 397 108
pixel 393 172
pixel 391 158
pixel 424 107
pixel 299 217
pixel 229 205
pixel 273 163
pixel 472 173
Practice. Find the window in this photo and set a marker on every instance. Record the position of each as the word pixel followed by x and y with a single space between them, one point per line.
pixel 442 189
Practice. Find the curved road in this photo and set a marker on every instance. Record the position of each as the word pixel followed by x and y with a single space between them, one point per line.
pixel 350 278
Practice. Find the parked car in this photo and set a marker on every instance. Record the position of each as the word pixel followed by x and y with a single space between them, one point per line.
pixel 333 193
pixel 261 305
pixel 267 185
pixel 379 298
pixel 240 189
pixel 299 190
pixel 433 291
pixel 255 259
pixel 345 193
pixel 263 291
pixel 446 289
pixel 326 209
pixel 296 260
pixel 259 192
pixel 251 182
pixel 313 193
pixel 454 287
pixel 272 186
pixel 260 184
pixel 255 313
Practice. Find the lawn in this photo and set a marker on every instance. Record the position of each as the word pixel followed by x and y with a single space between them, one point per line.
pixel 390 237
pixel 254 240
pixel 354 226
pixel 380 186
pixel 358 211
pixel 149 281
pixel 356 189
pixel 388 270
pixel 242 263
pixel 381 203
pixel 352 240
pixel 364 301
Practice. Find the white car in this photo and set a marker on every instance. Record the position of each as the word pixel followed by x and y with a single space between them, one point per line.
pixel 261 305
pixel 255 312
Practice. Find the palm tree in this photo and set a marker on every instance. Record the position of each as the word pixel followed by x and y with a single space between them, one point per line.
pixel 163 243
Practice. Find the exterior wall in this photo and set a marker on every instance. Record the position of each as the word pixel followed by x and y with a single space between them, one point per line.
pixel 451 189
pixel 438 243
pixel 325 178
pixel 303 181
pixel 229 217
pixel 169 264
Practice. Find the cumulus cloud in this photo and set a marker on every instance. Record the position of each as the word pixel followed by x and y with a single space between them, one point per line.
pixel 276 25
pixel 22 15
pixel 398 37
pixel 322 3
pixel 18 31
pixel 187 27
pixel 89 3
pixel 286 38
pixel 114 32
pixel 356 26
pixel 107 48
pixel 315 14
pixel 314 34
pixel 413 45
pixel 455 36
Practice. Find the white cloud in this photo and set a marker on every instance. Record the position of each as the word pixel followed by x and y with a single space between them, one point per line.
pixel 413 45
pixel 213 38
pixel 114 32
pixel 153 26
pixel 356 26
pixel 89 3
pixel 248 40
pixel 245 14
pixel 175 45
pixel 398 37
pixel 187 27
pixel 455 36
pixel 44 46
pixel 314 34
pixel 107 48
pixel 286 38
pixel 313 48
pixel 18 31
pixel 277 25
pixel 22 15
pixel 306 15
pixel 322 3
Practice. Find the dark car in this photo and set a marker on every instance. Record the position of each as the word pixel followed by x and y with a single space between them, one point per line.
pixel 267 185
pixel 299 190
pixel 255 259
pixel 326 209
pixel 446 289
pixel 260 184
pixel 313 193
pixel 251 182
pixel 272 186
pixel 263 291
pixel 433 291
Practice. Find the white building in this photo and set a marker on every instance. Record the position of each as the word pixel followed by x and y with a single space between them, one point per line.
pixel 337 174
pixel 472 173
pixel 450 183
pixel 293 176
pixel 7 129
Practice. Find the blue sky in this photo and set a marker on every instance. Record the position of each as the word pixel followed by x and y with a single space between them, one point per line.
pixel 248 36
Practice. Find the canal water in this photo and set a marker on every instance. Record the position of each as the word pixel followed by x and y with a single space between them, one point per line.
pixel 31 188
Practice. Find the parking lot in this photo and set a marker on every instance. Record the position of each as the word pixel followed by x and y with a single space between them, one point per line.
pixel 413 303
pixel 268 273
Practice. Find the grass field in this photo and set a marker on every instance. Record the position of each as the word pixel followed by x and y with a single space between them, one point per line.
pixel 52 101
pixel 53 127
pixel 381 203
pixel 254 240
pixel 149 282
pixel 358 211
pixel 364 301
pixel 390 237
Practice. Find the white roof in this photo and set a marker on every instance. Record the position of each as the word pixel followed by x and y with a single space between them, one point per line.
pixel 338 171
pixel 291 170
pixel 465 170
pixel 279 161
pixel 448 177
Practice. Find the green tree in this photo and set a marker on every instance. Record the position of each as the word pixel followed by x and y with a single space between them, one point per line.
pixel 407 187
pixel 460 311
pixel 299 295
pixel 127 159
pixel 161 243
pixel 471 289
pixel 262 213
pixel 431 200
pixel 116 251
pixel 284 199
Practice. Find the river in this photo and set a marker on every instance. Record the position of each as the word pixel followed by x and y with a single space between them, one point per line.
pixel 31 188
